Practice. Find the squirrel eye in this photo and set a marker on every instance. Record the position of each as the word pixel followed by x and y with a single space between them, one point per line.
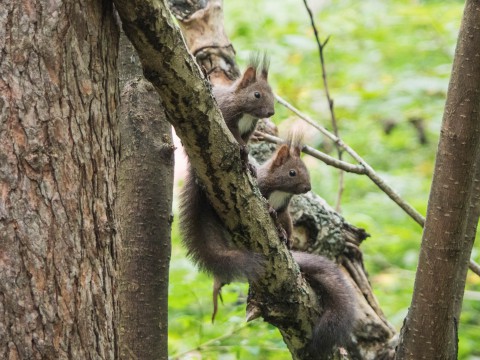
pixel 292 173
pixel 257 94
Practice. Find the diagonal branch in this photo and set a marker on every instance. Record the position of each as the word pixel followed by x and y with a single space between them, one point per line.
pixel 327 159
pixel 367 170
pixel 290 304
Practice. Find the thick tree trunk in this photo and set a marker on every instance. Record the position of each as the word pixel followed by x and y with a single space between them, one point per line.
pixel 432 321
pixel 145 182
pixel 58 140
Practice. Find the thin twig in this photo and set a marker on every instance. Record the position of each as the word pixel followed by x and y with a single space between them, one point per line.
pixel 367 170
pixel 329 99
pixel 327 159
pixel 474 267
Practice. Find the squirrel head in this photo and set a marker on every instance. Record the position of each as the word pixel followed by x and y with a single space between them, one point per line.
pixel 253 89
pixel 285 171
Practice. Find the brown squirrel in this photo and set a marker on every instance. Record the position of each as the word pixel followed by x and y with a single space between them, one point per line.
pixel 207 240
pixel 279 178
pixel 246 100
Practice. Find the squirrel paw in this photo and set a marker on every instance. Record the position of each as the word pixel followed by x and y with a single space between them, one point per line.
pixel 272 212
pixel 252 169
pixel 246 164
pixel 217 293
pixel 282 234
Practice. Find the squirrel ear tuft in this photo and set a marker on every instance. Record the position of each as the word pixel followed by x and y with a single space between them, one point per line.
pixel 265 66
pixel 281 155
pixel 264 74
pixel 296 150
pixel 295 143
pixel 248 77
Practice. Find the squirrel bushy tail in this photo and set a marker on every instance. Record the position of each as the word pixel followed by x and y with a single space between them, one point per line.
pixel 207 240
pixel 335 324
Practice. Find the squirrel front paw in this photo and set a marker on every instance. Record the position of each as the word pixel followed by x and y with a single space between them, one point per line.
pixel 282 234
pixel 272 212
pixel 247 165
pixel 252 169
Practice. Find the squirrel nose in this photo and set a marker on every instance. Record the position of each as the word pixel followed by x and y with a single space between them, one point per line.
pixel 270 113
pixel 307 188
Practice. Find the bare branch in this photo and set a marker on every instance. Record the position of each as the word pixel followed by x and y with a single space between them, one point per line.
pixel 321 47
pixel 474 267
pixel 327 159
pixel 368 170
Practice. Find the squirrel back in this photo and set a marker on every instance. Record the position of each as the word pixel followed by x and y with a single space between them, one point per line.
pixel 279 178
pixel 207 240
pixel 246 100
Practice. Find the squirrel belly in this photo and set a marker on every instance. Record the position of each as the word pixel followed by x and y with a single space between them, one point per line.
pixel 207 240
pixel 246 125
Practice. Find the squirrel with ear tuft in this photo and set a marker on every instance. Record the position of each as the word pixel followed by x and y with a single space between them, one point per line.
pixel 245 101
pixel 279 178
pixel 208 242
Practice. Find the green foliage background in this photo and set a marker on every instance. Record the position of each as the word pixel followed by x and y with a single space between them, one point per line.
pixel 386 61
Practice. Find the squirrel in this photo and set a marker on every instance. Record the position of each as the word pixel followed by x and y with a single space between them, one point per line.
pixel 208 242
pixel 246 100
pixel 279 178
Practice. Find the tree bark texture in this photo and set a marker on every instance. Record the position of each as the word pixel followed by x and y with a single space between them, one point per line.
pixel 215 156
pixel 58 140
pixel 145 192
pixel 201 23
pixel 318 228
pixel 431 323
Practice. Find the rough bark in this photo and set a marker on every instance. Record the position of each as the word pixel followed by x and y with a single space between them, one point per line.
pixel 432 321
pixel 58 140
pixel 318 228
pixel 202 26
pixel 145 192
pixel 215 156
pixel 472 218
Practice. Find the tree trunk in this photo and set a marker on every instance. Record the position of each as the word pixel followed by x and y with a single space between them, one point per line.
pixel 145 182
pixel 58 139
pixel 432 321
